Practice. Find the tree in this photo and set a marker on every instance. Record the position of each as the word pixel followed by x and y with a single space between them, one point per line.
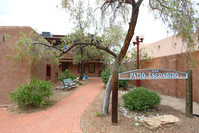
pixel 83 21
pixel 180 15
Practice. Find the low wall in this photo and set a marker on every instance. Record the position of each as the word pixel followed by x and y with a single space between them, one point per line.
pixel 172 87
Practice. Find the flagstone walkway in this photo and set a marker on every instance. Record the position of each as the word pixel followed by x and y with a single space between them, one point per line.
pixel 63 117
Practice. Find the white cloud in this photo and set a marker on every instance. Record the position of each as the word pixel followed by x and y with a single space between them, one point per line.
pixel 43 15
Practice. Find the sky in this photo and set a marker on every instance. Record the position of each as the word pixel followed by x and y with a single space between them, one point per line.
pixel 48 16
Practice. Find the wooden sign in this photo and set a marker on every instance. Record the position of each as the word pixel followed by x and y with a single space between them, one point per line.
pixel 152 74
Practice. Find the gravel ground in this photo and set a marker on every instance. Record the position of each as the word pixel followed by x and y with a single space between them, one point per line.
pixel 178 104
pixel 130 121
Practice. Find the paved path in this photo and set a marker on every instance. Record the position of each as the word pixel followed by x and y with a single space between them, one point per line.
pixel 63 117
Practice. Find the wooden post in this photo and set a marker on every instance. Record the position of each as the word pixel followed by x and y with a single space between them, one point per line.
pixel 115 98
pixel 189 97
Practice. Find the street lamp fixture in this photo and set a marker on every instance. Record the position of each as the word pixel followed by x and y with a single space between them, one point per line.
pixel 138 41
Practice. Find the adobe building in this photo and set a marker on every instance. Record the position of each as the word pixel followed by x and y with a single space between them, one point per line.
pixel 92 68
pixel 12 77
pixel 168 54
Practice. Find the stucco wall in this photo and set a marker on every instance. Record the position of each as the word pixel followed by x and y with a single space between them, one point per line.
pixel 10 76
pixel 39 70
pixel 175 87
pixel 165 47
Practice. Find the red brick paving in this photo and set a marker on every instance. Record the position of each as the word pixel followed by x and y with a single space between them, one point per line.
pixel 63 117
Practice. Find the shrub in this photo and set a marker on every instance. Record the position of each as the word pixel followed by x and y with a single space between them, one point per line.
pixel 34 93
pixel 123 83
pixel 66 75
pixel 72 77
pixel 140 99
pixel 80 83
pixel 106 74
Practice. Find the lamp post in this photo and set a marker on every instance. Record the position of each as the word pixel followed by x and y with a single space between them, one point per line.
pixel 138 41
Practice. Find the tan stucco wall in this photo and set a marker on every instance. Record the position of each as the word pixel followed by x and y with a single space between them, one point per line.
pixel 175 87
pixel 165 47
pixel 10 76
pixel 39 70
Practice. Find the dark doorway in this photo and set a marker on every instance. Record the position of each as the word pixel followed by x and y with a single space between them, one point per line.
pixel 64 66
pixel 48 72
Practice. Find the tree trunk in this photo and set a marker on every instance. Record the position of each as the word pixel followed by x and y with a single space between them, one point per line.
pixel 106 100
pixel 105 104
pixel 82 70
pixel 82 64
pixel 119 58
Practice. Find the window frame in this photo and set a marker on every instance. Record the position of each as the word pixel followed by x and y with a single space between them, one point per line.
pixel 89 68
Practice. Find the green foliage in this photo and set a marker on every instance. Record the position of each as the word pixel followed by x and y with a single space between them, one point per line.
pixel 106 74
pixel 123 83
pixel 72 76
pixel 29 48
pixel 32 94
pixel 80 83
pixel 182 17
pixel 131 62
pixel 83 19
pixel 66 75
pixel 98 114
pixel 140 99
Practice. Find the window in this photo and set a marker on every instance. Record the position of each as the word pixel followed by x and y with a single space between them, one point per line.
pixel 91 67
pixel 79 68
pixel 4 39
pixel 64 66
pixel 158 47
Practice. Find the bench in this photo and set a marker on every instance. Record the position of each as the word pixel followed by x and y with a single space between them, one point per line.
pixel 68 83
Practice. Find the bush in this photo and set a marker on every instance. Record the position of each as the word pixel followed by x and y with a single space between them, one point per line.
pixel 123 83
pixel 140 99
pixel 72 77
pixel 106 74
pixel 80 83
pixel 32 94
pixel 66 75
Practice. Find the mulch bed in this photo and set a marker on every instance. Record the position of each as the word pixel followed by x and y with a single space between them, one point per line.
pixel 92 122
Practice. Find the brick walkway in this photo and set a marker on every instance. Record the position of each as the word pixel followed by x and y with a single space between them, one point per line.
pixel 63 117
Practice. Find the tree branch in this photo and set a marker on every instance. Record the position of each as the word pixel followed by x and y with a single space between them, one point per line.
pixel 75 44
pixel 130 33
pixel 162 5
pixel 91 44
pixel 138 4
pixel 46 45
pixel 131 2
